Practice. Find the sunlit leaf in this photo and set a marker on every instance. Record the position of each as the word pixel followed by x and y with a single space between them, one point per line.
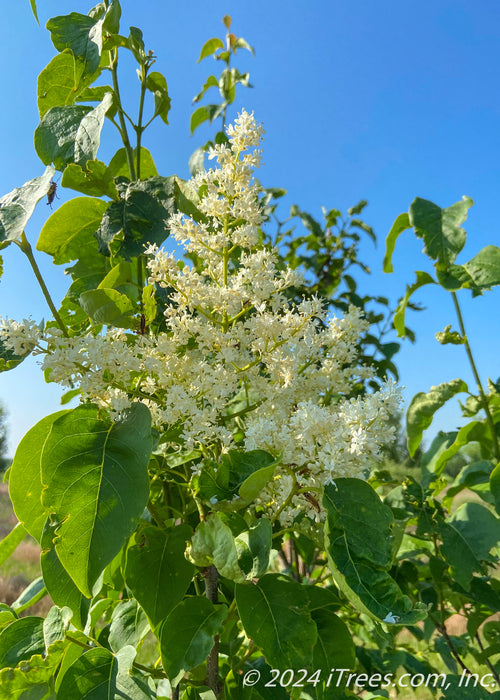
pixel 95 473
pixel 156 570
pixel 17 207
pixel 62 81
pixel 440 228
pixel 423 407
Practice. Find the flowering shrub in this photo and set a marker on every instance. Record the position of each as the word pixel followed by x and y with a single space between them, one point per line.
pixel 231 338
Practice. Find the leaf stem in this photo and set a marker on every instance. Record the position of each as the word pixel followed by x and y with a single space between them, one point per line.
pixel 484 400
pixel 25 246
pixel 123 130
pixel 139 128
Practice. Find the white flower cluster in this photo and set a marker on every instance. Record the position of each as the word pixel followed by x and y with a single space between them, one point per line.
pixel 19 337
pixel 237 358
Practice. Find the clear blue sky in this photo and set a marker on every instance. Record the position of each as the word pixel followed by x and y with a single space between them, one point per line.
pixel 377 100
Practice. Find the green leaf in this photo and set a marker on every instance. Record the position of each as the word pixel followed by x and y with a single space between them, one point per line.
pixel 308 221
pixel 25 485
pixel 401 224
pixel 92 675
pixel 440 228
pixel 239 477
pixel 157 84
pixel 474 476
pixel 108 307
pixel 95 180
pixel 157 572
pixel 355 509
pixel 210 47
pixel 71 134
pixel 484 268
pixel 135 43
pixel 150 308
pixel 240 43
pixel 123 278
pixel 203 114
pixel 61 82
pixel 129 625
pixel 139 217
pixel 253 484
pixel 32 679
pixel 432 456
pixel 187 635
pixel 17 207
pixel 11 541
pixel 80 33
pixel 422 278
pixel 33 9
pixel 274 613
pixel 55 625
pixel 468 536
pixel 111 22
pixel 20 640
pixel 423 407
pixel 202 692
pixel 335 647
pixel 96 93
pixel 129 683
pixel 227 86
pixel 358 534
pixel 71 229
pixel 31 595
pixel 96 480
pixel 59 583
pixel 453 277
pixel 186 205
pixel 213 543
pixel 254 547
pixel 211 81
pixel 477 526
pixel 449 337
pixel 495 486
pixel 475 431
pixel 118 166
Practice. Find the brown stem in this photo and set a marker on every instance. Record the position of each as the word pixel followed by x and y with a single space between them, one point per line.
pixel 175 693
pixel 442 629
pixel 284 560
pixel 487 661
pixel 211 591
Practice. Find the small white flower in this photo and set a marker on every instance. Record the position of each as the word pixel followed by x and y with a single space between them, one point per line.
pixel 390 618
